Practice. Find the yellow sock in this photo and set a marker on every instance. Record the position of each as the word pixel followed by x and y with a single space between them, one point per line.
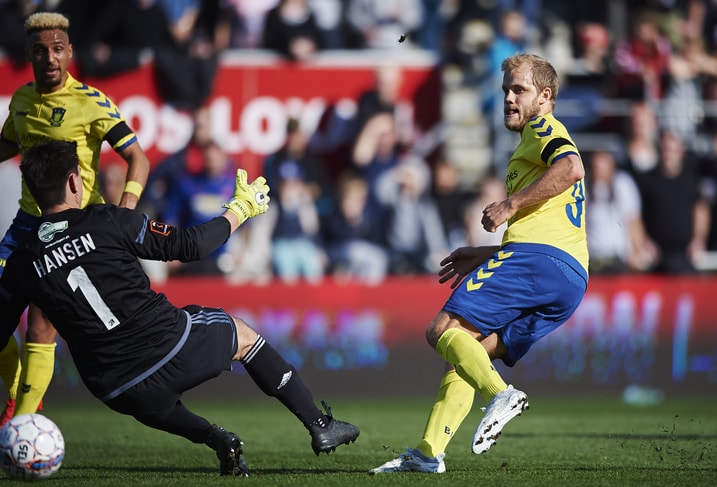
pixel 454 401
pixel 38 366
pixel 471 361
pixel 10 367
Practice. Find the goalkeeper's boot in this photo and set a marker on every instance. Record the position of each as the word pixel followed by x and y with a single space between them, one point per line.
pixel 413 461
pixel 229 452
pixel 504 406
pixel 8 412
pixel 326 437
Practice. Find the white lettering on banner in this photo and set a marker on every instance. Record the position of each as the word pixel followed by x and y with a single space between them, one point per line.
pixel 261 123
pixel 176 130
pixel 161 127
pixel 605 339
pixel 222 126
pixel 141 114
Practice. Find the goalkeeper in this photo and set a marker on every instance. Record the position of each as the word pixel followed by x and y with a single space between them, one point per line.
pixel 134 350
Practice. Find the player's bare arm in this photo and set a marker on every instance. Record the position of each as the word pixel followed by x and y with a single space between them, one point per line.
pixel 463 261
pixel 560 176
pixel 137 172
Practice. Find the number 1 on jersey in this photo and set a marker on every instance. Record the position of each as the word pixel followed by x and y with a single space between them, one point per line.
pixel 78 278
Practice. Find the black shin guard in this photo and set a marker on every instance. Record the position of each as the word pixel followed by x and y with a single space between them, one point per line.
pixel 276 378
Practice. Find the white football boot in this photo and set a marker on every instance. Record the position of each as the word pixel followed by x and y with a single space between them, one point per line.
pixel 413 461
pixel 504 406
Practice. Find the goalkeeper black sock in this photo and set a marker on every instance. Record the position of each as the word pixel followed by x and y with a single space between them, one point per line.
pixel 276 378
pixel 178 421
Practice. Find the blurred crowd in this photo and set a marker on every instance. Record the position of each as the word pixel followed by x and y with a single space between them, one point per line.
pixel 642 72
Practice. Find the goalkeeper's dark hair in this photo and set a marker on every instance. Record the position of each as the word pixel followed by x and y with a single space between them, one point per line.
pixel 45 168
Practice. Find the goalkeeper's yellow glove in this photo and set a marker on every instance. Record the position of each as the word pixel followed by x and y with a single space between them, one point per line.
pixel 249 200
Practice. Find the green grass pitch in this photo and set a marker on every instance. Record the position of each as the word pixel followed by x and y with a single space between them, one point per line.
pixel 572 442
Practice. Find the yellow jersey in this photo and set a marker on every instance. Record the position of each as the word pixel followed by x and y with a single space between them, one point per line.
pixel 76 112
pixel 559 221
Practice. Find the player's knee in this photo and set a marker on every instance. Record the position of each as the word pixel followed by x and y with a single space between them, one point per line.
pixel 246 337
pixel 437 327
pixel 40 331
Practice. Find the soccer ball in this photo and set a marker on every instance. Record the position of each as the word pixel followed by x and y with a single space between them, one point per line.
pixel 31 447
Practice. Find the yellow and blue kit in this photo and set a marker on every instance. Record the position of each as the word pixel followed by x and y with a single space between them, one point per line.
pixel 537 279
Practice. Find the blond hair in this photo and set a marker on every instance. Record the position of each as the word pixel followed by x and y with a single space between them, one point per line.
pixel 46 21
pixel 543 73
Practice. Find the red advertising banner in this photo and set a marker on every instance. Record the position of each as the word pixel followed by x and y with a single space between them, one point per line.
pixel 254 96
pixel 647 330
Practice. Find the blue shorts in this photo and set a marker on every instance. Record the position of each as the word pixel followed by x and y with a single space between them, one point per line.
pixel 21 226
pixel 522 293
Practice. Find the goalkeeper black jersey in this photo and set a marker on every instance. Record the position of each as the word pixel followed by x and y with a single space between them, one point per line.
pixel 80 267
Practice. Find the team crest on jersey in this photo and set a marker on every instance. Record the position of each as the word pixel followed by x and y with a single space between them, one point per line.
pixel 159 227
pixel 47 230
pixel 58 114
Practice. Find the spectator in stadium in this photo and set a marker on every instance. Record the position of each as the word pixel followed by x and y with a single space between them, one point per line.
pixel 301 194
pixel 708 172
pixel 188 159
pixel 589 78
pixel 295 157
pixel 415 237
pixel 383 22
pixel 290 29
pixel 491 189
pixel 643 59
pixel 133 349
pixel 119 33
pixel 376 150
pixel 192 200
pixel 330 19
pixel 185 69
pixel 642 130
pixel 616 234
pixel 690 70
pixel 511 37
pixel 451 201
pixel 246 19
pixel 508 297
pixel 296 250
pixel 384 96
pixel 347 120
pixel 675 212
pixel 56 106
pixel 354 233
pixel 12 36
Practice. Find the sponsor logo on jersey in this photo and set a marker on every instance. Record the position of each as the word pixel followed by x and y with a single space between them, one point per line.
pixel 21 113
pixel 57 115
pixel 48 230
pixel 159 227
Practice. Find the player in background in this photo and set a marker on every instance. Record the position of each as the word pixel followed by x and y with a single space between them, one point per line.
pixel 515 293
pixel 133 349
pixel 56 107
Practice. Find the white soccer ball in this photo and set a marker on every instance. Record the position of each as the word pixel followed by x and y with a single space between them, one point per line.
pixel 31 447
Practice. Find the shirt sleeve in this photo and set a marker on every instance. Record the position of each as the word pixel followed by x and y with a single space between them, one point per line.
pixel 107 123
pixel 155 240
